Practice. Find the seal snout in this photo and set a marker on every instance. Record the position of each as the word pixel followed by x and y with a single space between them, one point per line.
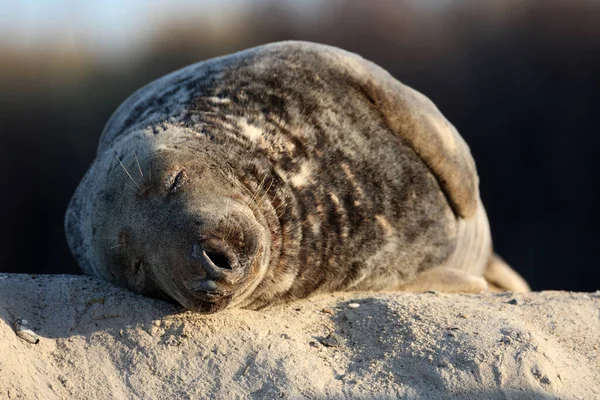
pixel 218 272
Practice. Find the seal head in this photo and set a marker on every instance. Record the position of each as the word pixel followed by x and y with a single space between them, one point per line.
pixel 174 222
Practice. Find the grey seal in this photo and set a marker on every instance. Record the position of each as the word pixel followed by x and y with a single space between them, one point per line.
pixel 279 172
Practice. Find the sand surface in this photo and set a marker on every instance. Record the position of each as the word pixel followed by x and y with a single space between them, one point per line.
pixel 98 341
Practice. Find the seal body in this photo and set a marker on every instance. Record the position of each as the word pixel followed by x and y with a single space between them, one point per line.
pixel 275 173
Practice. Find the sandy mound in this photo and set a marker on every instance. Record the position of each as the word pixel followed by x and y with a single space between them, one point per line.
pixel 99 341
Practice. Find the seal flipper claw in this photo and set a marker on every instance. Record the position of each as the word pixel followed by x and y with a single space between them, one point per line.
pixel 501 277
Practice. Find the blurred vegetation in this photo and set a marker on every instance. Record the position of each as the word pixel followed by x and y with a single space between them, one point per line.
pixel 519 79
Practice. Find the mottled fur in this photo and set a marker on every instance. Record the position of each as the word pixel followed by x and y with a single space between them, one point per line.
pixel 309 168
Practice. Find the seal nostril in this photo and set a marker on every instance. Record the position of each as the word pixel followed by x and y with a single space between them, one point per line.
pixel 218 259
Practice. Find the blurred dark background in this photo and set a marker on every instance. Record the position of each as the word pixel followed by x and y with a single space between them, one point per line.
pixel 519 79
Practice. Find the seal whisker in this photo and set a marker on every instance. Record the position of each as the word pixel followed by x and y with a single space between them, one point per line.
pixel 283 204
pixel 280 215
pixel 266 195
pixel 226 219
pixel 127 172
pixel 242 187
pixel 280 207
pixel 254 196
pixel 138 164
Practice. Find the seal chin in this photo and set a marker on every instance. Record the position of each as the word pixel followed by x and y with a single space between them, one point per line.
pixel 208 303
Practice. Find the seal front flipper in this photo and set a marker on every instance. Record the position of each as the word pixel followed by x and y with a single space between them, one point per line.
pixel 415 118
pixel 422 127
pixel 445 279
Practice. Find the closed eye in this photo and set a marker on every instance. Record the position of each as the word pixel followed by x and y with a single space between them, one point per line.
pixel 177 182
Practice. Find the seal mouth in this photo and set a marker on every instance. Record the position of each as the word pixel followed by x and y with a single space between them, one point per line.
pixel 210 291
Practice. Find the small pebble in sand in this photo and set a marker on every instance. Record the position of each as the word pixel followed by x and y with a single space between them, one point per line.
pixel 353 305
pixel 332 340
pixel 514 302
pixel 327 310
pixel 24 333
